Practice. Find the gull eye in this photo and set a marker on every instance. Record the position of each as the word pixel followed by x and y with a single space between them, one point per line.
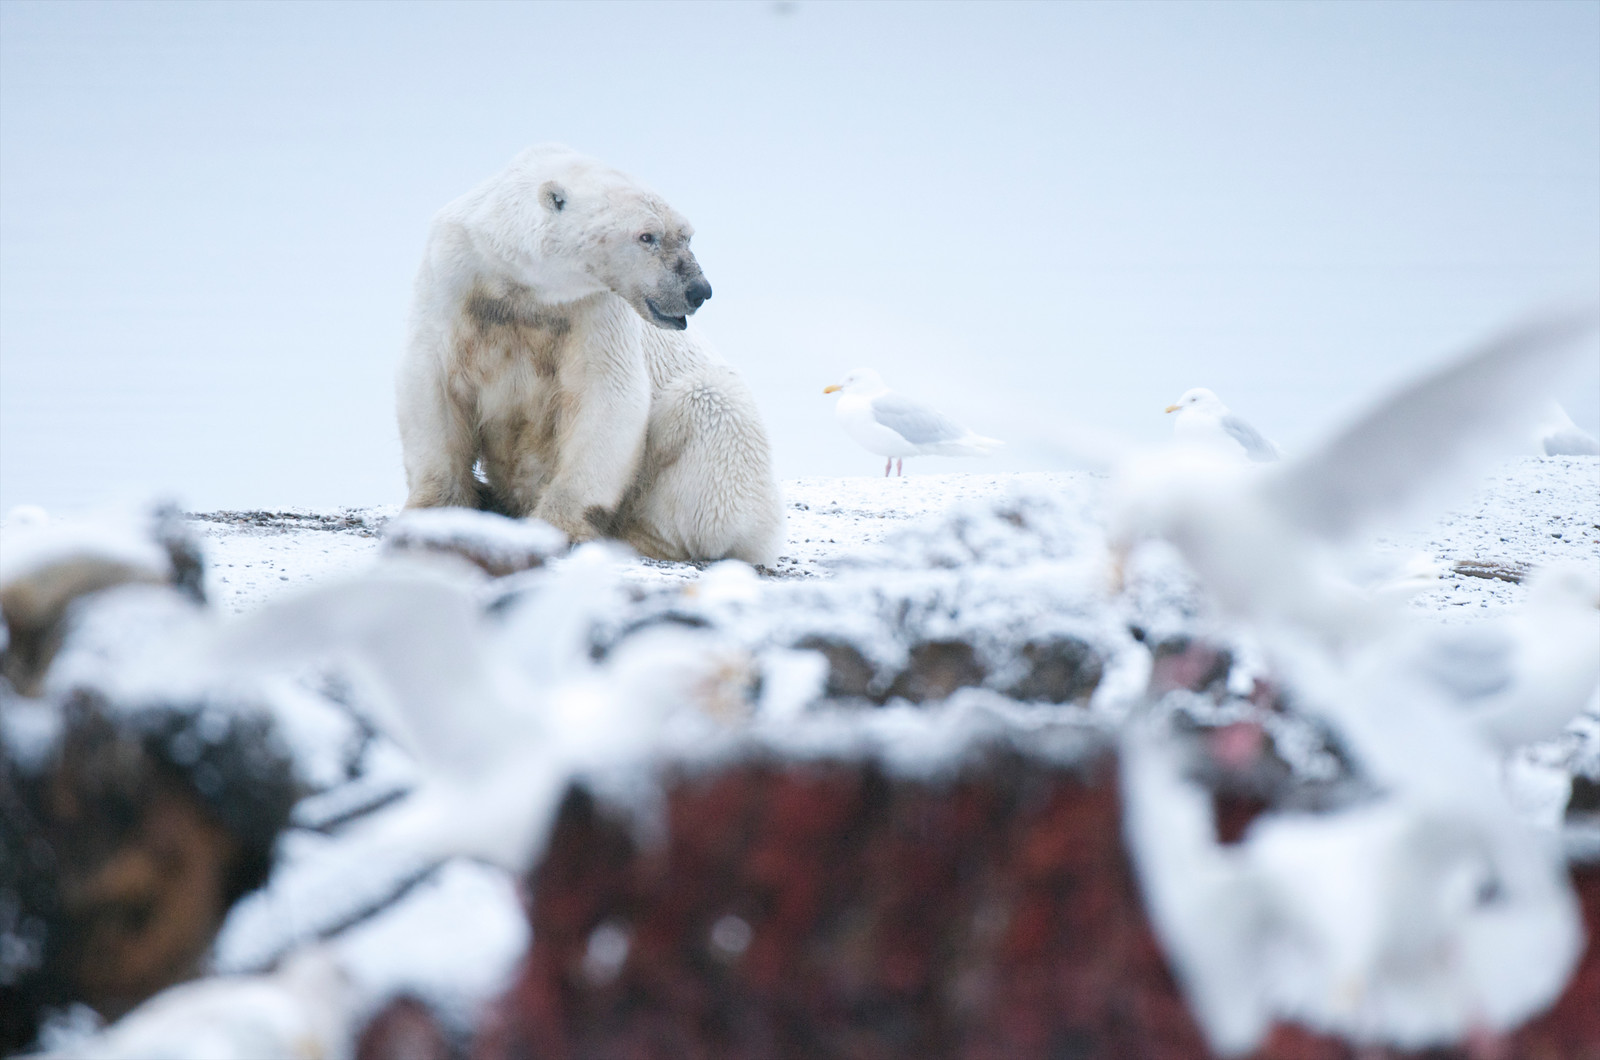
pixel 648 239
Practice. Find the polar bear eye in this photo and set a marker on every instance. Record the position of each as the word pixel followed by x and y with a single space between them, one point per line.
pixel 648 239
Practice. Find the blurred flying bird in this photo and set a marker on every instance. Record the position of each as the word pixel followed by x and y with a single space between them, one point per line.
pixel 894 426
pixel 1266 541
pixel 1416 919
pixel 1430 910
pixel 1522 678
pixel 498 713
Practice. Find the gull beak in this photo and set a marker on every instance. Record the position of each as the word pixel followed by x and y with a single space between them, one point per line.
pixel 1172 408
pixel 831 389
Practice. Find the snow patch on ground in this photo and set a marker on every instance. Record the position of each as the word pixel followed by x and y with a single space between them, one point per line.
pixel 883 562
pixel 255 556
pixel 1527 512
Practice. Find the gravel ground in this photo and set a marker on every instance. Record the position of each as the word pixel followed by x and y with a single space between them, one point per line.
pixel 1527 512
pixel 451 932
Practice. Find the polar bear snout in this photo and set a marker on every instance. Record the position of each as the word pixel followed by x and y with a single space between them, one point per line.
pixel 697 293
pixel 683 291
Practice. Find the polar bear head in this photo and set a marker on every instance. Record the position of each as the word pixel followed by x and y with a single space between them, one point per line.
pixel 572 226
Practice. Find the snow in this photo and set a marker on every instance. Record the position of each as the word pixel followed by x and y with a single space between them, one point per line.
pixel 454 939
pixel 403 863
pixel 321 885
pixel 302 1009
pixel 493 542
pixel 255 556
pixel 116 537
pixel 1527 512
pixel 30 732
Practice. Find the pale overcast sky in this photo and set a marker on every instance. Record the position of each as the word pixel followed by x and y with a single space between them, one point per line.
pixel 210 214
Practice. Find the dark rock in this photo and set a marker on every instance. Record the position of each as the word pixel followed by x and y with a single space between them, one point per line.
pixel 36 607
pixel 936 669
pixel 1182 662
pixel 1234 813
pixel 343 521
pixel 834 910
pixel 1240 763
pixel 1060 670
pixel 171 531
pixel 1493 570
pixel 1054 670
pixel 850 674
pixel 404 1029
pixel 37 604
pixel 124 848
pixel 1585 797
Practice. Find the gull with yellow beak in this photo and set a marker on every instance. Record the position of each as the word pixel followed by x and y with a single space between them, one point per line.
pixel 894 426
pixel 1205 422
pixel 1272 544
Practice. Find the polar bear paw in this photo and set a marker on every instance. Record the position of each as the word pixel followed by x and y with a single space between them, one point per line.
pixel 579 521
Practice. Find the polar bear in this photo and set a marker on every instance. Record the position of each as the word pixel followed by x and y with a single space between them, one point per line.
pixel 549 351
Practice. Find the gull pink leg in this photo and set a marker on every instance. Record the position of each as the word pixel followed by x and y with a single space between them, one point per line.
pixel 900 467
pixel 887 465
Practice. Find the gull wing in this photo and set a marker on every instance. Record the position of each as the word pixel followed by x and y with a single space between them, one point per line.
pixel 1420 448
pixel 415 633
pixel 1255 443
pixel 1470 664
pixel 914 421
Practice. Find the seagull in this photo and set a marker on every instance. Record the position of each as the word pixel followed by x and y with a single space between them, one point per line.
pixel 1268 541
pixel 894 426
pixel 1431 909
pixel 1413 917
pixel 1409 920
pixel 1557 435
pixel 499 712
pixel 1203 420
pixel 1523 678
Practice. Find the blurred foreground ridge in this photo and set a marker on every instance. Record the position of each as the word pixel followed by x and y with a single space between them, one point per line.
pixel 929 788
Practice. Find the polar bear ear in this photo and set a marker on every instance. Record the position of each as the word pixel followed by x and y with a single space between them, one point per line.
pixel 553 196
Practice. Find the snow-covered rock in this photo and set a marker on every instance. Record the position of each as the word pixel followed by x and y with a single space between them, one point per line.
pixel 920 630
